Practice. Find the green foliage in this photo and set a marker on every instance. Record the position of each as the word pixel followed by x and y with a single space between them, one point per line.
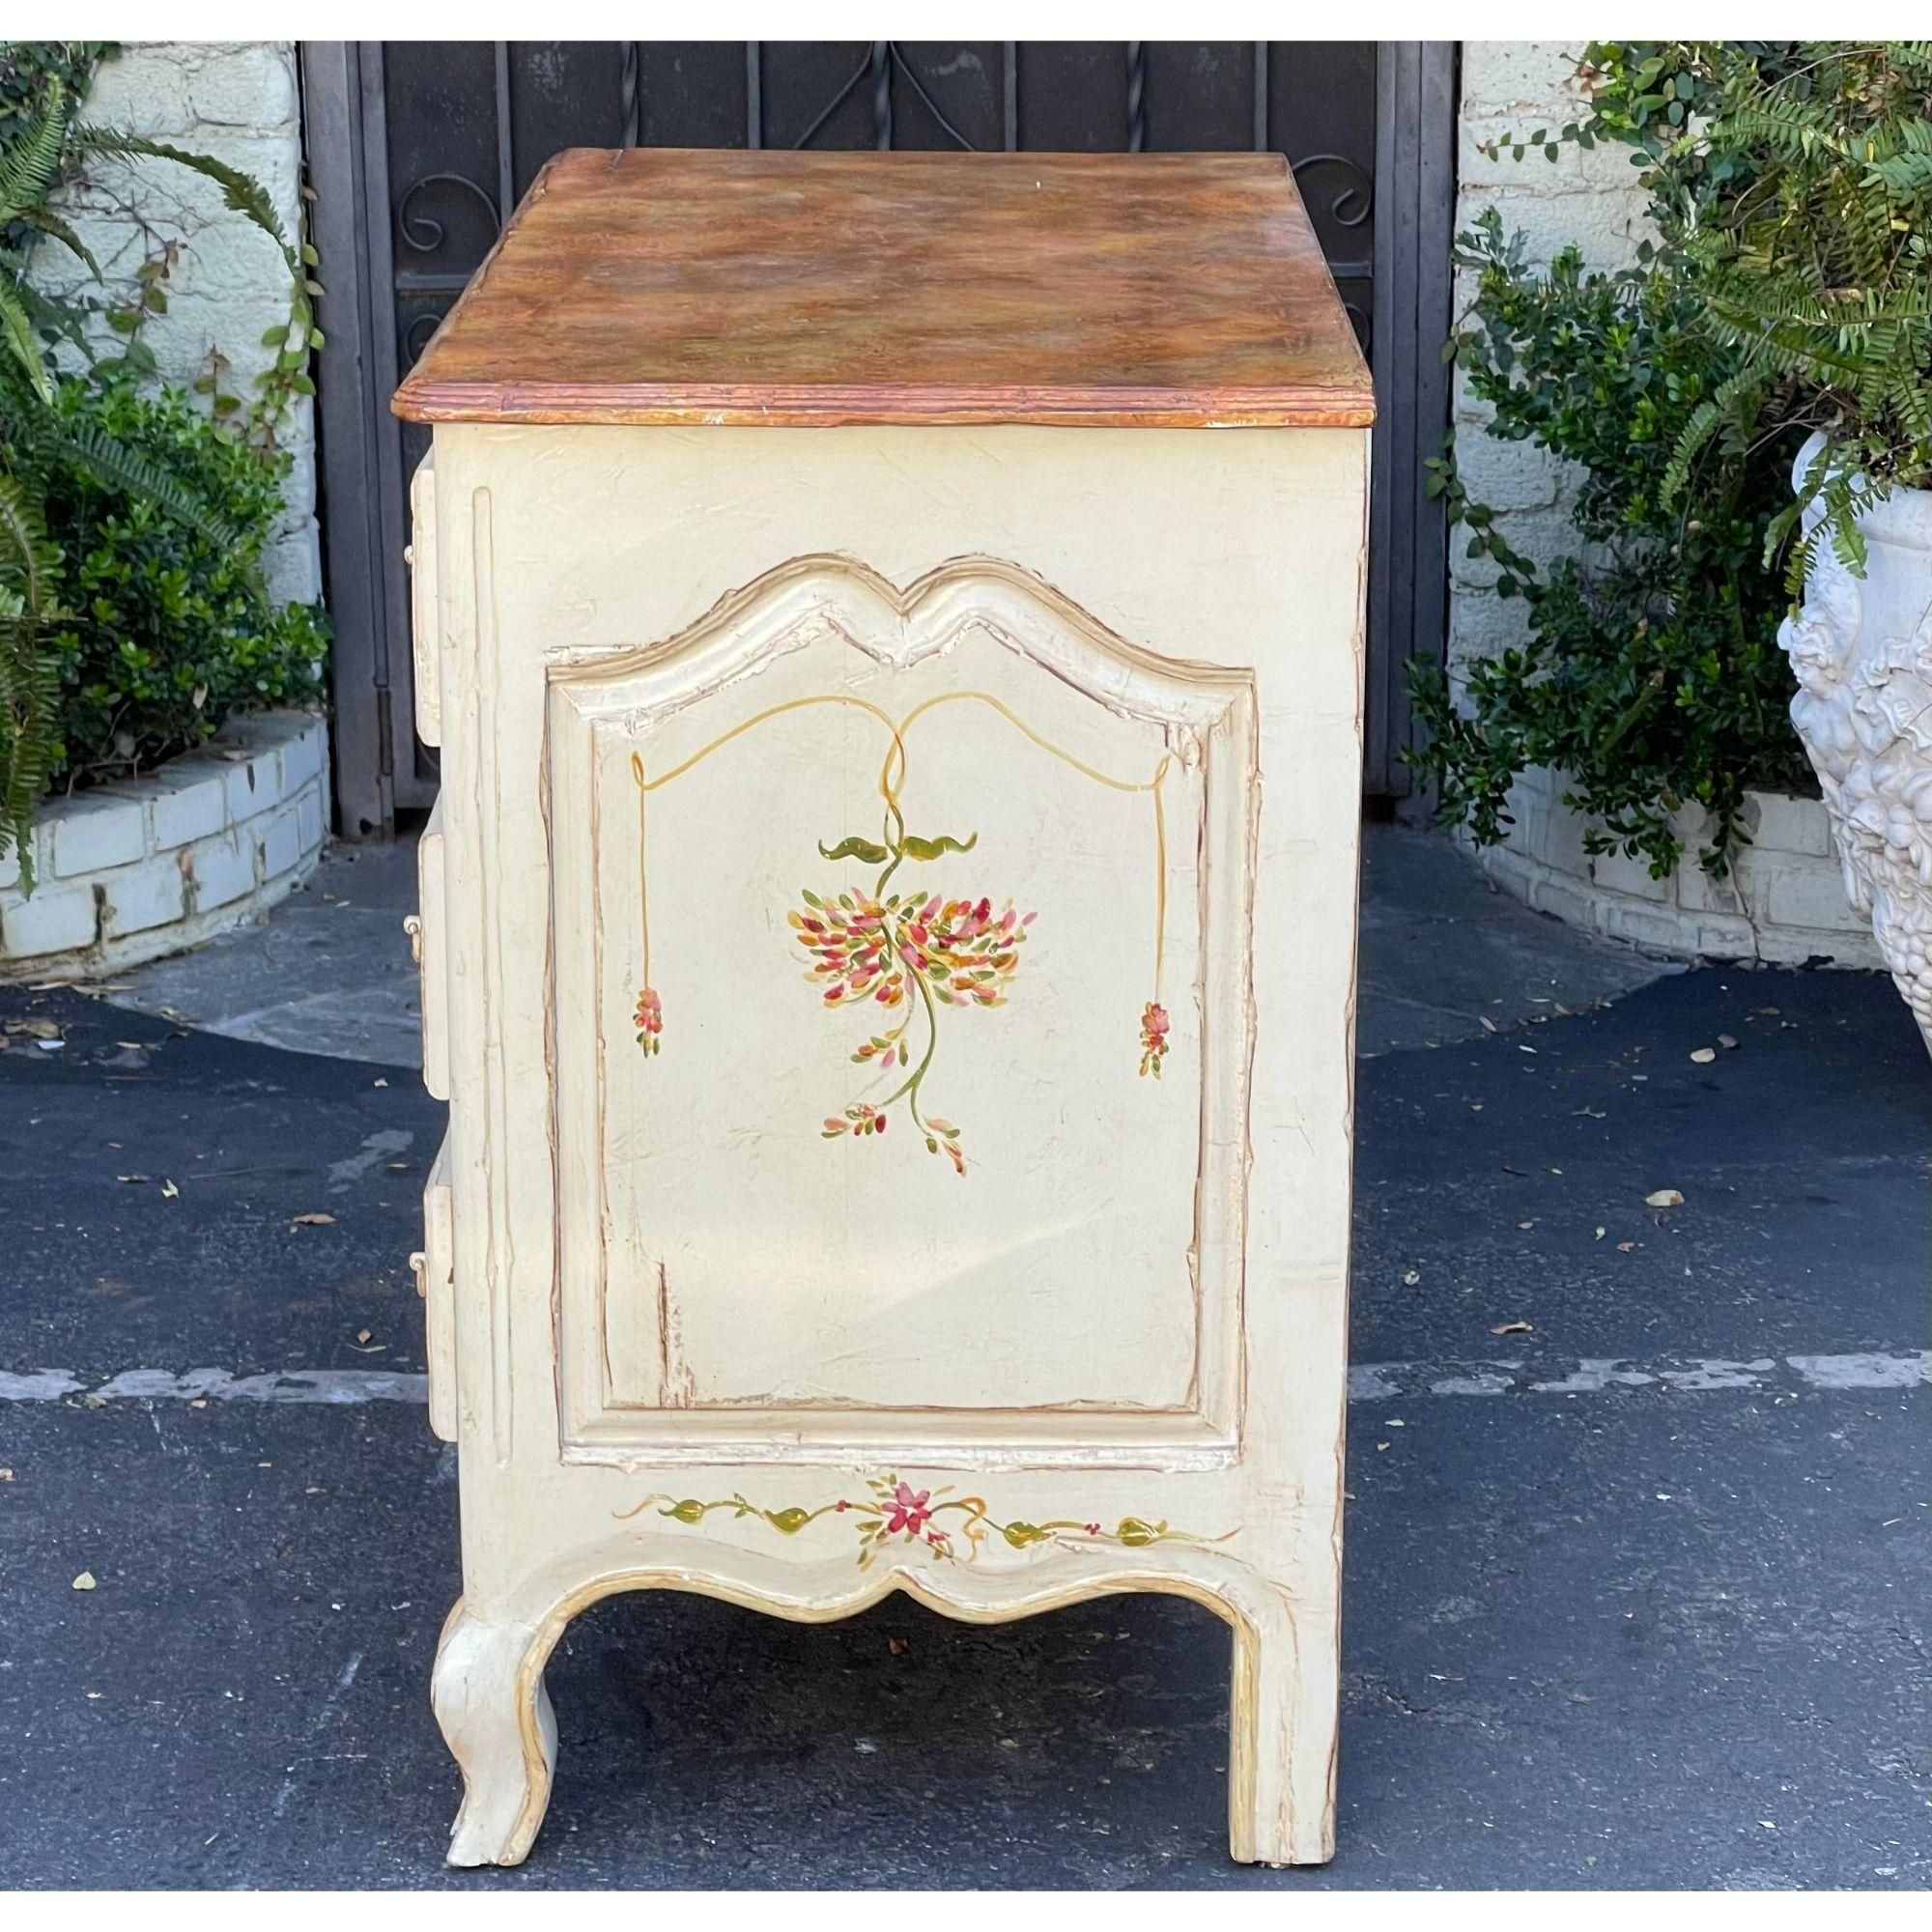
pixel 1791 182
pixel 1652 675
pixel 1788 290
pixel 29 683
pixel 165 631
pixel 147 515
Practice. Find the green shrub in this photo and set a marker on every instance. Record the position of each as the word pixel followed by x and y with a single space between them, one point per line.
pixel 1652 675
pixel 133 616
pixel 1789 290
pixel 166 629
pixel 1793 181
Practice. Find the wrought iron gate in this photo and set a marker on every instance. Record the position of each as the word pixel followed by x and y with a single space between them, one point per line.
pixel 418 150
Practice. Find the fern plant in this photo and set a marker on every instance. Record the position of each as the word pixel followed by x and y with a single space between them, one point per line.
pixel 1790 182
pixel 30 610
pixel 42 142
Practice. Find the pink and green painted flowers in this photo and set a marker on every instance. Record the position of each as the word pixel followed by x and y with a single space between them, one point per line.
pixel 648 1020
pixel 894 1513
pixel 1154 1025
pixel 909 954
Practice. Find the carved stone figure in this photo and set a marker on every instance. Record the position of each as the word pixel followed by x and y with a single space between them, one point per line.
pixel 1862 653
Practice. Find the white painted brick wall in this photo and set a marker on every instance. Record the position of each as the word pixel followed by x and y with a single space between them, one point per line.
pixel 220 869
pixel 132 870
pixel 186 802
pixel 92 832
pixel 1515 87
pixel 237 101
pixel 54 920
pixel 1785 900
pixel 138 898
pixel 278 840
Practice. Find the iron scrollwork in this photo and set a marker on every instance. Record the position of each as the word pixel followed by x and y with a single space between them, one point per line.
pixel 1354 200
pixel 423 232
pixel 415 337
pixel 882 61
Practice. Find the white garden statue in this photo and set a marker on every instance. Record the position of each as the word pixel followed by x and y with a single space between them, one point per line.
pixel 1863 652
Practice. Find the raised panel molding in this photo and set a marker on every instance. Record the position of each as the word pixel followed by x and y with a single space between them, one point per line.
pixel 638 1388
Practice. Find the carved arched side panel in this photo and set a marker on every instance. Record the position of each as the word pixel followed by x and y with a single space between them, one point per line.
pixel 885 1102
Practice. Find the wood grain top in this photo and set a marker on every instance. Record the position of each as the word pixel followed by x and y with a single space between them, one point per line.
pixel 655 285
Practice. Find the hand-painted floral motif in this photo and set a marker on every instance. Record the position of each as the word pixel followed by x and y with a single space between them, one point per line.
pixel 895 1513
pixel 649 1020
pixel 909 953
pixel 1153 1037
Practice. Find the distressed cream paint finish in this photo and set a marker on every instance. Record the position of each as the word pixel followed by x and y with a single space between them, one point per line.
pixel 702 1340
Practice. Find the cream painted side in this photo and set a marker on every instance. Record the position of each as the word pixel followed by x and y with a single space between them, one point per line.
pixel 1240 551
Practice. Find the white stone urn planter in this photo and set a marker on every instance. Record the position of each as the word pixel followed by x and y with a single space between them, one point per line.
pixel 129 872
pixel 1862 648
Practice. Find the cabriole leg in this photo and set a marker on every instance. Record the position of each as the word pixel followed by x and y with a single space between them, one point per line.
pixel 497 1721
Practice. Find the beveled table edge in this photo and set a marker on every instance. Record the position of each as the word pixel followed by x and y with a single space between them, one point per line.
pixel 748 406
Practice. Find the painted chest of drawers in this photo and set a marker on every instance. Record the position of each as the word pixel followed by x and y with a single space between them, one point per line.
pixel 892 628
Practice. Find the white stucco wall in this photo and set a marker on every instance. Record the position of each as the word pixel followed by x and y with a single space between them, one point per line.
pixel 239 102
pixel 1588 197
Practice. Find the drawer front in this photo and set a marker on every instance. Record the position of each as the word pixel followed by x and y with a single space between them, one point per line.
pixel 425 630
pixel 436 1282
pixel 426 932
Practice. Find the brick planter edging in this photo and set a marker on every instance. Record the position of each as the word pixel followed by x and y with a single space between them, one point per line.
pixel 129 872
pixel 1784 904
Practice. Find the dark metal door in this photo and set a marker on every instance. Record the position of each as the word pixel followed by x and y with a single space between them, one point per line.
pixel 416 150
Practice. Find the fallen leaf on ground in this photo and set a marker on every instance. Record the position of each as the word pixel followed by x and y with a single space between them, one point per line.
pixel 1704 1055
pixel 134 1178
pixel 1600 1234
pixel 313 1221
pixel 1525 1225
pixel 362 1334
pixel 1625 1248
pixel 1664 1197
pixel 897 1645
pixel 84 1582
pixel 1514 1328
pixel 169 1191
pixel 1727 1041
pixel 35 1029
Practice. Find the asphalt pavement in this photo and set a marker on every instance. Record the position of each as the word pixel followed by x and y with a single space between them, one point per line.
pixel 1637 1582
